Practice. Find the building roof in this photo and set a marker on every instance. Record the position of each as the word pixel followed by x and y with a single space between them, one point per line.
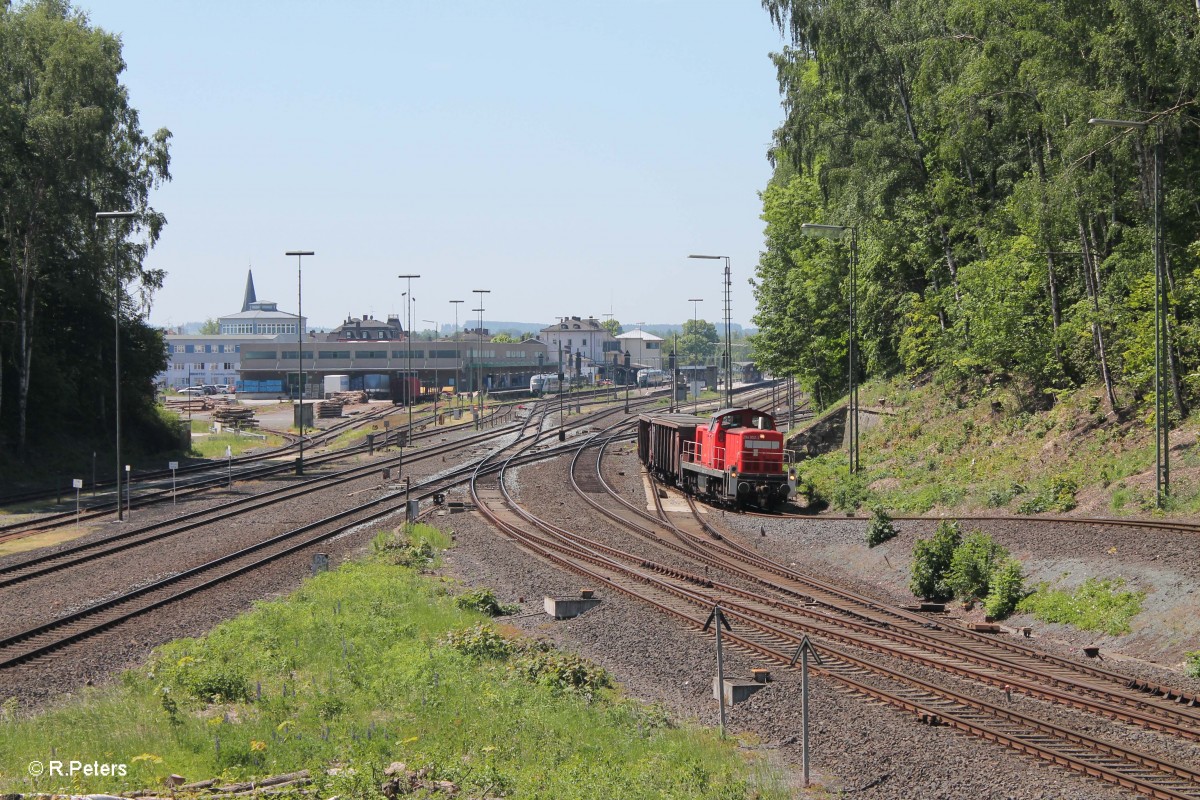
pixel 638 333
pixel 261 309
pixel 574 324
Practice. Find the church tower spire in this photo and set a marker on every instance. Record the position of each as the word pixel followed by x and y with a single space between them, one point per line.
pixel 249 296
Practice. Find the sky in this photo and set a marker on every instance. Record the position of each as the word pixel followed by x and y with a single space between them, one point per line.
pixel 568 156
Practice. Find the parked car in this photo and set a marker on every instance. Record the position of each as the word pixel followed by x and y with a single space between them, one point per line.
pixel 192 391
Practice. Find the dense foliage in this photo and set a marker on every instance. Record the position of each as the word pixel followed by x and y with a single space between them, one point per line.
pixel 72 146
pixel 931 562
pixel 999 235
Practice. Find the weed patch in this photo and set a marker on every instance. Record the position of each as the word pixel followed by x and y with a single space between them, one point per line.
pixel 1096 605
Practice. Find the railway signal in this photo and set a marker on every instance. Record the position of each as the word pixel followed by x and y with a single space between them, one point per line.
pixel 802 652
pixel 719 617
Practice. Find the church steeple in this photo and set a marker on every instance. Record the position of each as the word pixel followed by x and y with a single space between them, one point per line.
pixel 249 297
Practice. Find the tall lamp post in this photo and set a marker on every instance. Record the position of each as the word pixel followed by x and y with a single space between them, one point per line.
pixel 695 324
pixel 481 293
pixel 841 232
pixel 299 254
pixel 728 348
pixel 437 389
pixel 562 434
pixel 457 352
pixel 1162 422
pixel 407 382
pixel 117 297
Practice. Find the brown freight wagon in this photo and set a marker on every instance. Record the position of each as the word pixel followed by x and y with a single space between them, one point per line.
pixel 661 439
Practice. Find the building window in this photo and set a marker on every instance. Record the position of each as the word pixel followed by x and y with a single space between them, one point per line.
pixel 653 345
pixel 264 355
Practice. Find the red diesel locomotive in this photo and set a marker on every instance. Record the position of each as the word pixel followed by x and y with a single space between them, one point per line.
pixel 734 457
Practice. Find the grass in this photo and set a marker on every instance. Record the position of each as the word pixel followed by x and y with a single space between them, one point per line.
pixel 213 445
pixel 356 670
pixel 1096 605
pixel 981 450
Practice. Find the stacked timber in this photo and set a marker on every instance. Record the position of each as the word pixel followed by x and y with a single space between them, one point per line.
pixel 235 417
pixel 329 408
pixel 188 404
pixel 349 398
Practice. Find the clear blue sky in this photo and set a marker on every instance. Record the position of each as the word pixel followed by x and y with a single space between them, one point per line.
pixel 566 155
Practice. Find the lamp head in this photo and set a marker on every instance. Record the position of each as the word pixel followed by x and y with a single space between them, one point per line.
pixel 824 231
pixel 1128 124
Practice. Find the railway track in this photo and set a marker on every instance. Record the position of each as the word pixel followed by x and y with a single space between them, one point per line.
pixel 774 621
pixel 204 483
pixel 39 643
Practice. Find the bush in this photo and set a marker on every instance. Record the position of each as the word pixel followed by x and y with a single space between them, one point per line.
pixel 209 680
pixel 931 561
pixel 880 529
pixel 484 601
pixel 1191 664
pixel 482 641
pixel 564 673
pixel 1007 589
pixel 972 565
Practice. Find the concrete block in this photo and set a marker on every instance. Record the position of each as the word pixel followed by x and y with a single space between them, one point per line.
pixel 737 690
pixel 568 607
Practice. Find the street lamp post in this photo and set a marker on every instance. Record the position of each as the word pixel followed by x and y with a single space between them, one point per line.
pixel 407 382
pixel 562 433
pixel 457 353
pixel 117 296
pixel 728 347
pixel 481 293
pixel 841 232
pixel 1162 422
pixel 437 389
pixel 299 254
pixel 695 324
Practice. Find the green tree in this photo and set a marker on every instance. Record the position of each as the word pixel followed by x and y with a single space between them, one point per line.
pixel 72 146
pixel 698 342
pixel 210 327
pixel 612 326
pixel 503 338
pixel 1001 238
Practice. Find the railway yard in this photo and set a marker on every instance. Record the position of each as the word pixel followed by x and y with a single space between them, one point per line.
pixel 906 703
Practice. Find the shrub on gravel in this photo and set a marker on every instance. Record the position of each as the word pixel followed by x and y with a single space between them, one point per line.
pixel 1007 589
pixel 972 565
pixel 1191 664
pixel 880 529
pixel 1096 605
pixel 931 562
pixel 484 601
